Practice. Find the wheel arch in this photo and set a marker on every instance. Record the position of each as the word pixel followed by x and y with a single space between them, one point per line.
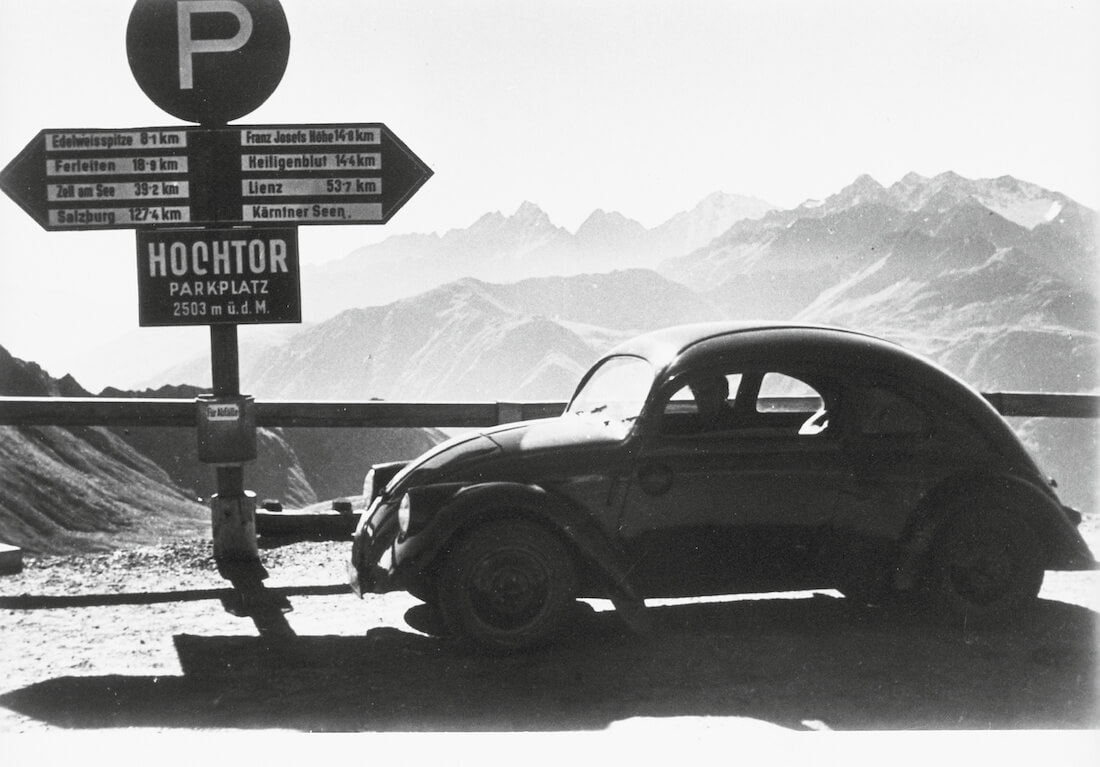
pixel 596 556
pixel 1012 495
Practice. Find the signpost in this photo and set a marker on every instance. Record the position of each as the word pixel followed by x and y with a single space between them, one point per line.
pixel 354 173
pixel 216 207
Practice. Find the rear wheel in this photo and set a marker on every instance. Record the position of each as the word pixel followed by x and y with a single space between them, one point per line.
pixel 985 566
pixel 507 585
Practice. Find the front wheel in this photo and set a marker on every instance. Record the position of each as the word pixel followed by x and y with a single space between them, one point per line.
pixel 985 566
pixel 507 585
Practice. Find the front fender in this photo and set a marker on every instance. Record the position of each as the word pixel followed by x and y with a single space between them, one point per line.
pixel 462 510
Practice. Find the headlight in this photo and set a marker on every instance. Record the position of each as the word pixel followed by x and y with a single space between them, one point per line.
pixel 364 518
pixel 404 514
pixel 419 506
pixel 1073 514
pixel 368 486
pixel 380 475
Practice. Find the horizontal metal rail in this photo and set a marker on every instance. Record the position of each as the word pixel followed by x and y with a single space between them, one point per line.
pixel 134 412
pixel 1033 405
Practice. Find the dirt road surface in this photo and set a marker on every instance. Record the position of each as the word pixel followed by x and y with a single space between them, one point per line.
pixel 141 640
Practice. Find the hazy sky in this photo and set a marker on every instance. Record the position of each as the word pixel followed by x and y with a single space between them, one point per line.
pixel 639 106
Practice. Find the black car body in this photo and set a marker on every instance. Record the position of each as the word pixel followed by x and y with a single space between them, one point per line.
pixel 834 460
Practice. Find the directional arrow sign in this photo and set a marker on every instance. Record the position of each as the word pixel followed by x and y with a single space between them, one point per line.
pixel 322 174
pixel 358 173
pixel 103 179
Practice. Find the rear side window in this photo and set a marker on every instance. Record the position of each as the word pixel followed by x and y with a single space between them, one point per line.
pixel 788 406
pixel 781 393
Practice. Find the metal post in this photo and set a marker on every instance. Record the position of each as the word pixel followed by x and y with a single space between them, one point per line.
pixel 233 510
pixel 224 360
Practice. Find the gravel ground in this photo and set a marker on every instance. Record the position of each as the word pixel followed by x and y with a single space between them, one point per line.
pixel 144 639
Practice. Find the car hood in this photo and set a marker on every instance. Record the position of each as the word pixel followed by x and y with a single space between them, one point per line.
pixel 563 435
pixel 567 431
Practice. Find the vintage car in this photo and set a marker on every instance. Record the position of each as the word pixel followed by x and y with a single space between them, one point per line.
pixel 723 458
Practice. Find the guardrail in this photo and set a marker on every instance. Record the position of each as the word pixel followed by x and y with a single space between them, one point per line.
pixel 130 412
pixel 133 412
pixel 1033 405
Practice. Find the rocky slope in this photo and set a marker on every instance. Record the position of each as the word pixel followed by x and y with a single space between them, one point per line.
pixel 81 487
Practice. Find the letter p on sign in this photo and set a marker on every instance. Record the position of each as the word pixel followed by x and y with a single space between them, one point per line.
pixel 208 61
pixel 188 46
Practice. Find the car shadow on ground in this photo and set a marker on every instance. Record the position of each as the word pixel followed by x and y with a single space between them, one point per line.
pixel 796 663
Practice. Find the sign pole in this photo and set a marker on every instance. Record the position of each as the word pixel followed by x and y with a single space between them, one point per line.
pixel 233 510
pixel 224 360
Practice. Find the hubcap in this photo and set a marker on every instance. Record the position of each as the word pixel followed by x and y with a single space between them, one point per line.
pixel 983 575
pixel 508 588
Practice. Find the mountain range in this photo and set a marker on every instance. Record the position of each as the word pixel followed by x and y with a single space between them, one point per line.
pixel 499 248
pixel 994 278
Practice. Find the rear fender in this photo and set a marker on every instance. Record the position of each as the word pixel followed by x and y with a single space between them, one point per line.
pixel 1064 549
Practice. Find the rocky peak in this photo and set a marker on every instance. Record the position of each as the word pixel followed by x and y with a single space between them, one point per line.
pixel 19 378
pixel 530 214
pixel 602 224
pixel 861 191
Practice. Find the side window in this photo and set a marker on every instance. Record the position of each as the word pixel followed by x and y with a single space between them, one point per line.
pixel 789 405
pixel 705 404
pixel 753 405
pixel 781 393
pixel 882 412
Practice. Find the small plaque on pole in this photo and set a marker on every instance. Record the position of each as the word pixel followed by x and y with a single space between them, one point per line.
pixel 227 429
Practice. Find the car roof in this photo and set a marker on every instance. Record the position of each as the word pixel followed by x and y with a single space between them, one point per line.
pixel 686 342
pixel 685 347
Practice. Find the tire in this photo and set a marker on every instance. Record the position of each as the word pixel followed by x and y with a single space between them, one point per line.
pixel 506 586
pixel 985 567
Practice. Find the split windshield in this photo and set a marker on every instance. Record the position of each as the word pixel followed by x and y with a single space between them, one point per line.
pixel 616 390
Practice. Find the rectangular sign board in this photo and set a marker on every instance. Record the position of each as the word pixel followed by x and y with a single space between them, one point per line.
pixel 355 173
pixel 218 276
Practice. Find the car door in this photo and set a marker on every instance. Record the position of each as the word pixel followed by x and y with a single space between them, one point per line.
pixel 738 502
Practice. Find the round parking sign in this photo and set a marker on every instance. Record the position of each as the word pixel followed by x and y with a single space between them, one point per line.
pixel 208 61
